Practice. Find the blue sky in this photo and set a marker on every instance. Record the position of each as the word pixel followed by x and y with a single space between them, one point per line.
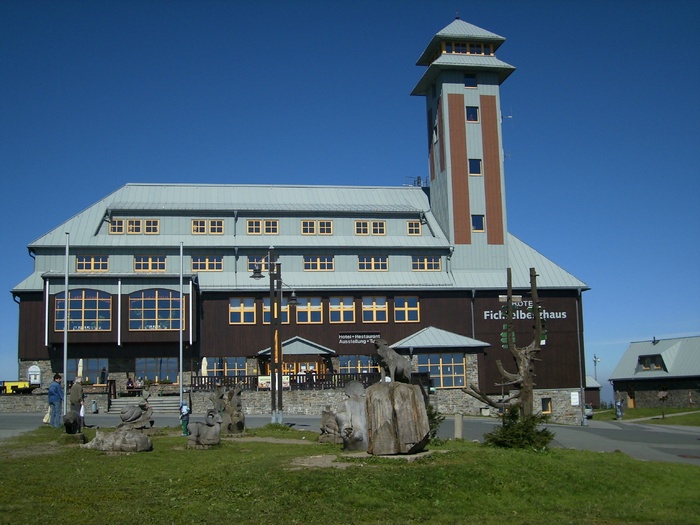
pixel 602 151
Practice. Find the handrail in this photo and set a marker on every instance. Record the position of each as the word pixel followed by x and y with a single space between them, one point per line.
pixel 316 382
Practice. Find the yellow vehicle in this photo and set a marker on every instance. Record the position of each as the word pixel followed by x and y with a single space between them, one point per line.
pixel 17 387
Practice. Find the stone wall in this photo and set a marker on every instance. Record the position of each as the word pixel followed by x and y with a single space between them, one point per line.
pixel 312 402
pixel 295 402
pixel 682 393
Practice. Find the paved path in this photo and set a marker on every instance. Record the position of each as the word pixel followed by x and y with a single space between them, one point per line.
pixel 669 443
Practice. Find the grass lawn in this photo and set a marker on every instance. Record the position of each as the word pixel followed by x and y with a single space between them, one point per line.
pixel 45 478
pixel 690 417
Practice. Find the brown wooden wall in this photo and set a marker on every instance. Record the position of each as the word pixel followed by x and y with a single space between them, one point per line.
pixel 559 365
pixel 93 343
pixel 451 311
pixel 218 338
pixel 492 170
pixel 460 176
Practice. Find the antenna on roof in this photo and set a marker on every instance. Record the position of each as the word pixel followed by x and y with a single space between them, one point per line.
pixel 416 181
pixel 457 15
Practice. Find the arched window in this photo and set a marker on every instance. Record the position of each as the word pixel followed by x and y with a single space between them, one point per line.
pixel 87 310
pixel 154 309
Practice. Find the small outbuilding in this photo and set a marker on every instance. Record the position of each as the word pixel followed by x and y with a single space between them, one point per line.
pixel 659 371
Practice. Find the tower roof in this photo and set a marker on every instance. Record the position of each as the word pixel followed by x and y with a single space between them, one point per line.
pixel 459 30
pixel 438 61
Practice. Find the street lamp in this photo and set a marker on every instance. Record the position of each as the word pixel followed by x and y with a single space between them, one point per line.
pixel 276 386
pixel 596 360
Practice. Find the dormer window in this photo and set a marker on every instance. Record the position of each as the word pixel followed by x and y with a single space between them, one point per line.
pixel 650 363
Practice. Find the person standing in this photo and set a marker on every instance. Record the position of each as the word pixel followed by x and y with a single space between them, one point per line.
pixel 76 400
pixel 56 401
pixel 185 418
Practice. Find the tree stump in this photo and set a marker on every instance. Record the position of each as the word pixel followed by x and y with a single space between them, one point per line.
pixel 397 421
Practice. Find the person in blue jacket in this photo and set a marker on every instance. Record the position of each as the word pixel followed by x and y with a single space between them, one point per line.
pixel 56 401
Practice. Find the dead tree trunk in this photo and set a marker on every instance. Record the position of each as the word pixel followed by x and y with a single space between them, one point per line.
pixel 523 379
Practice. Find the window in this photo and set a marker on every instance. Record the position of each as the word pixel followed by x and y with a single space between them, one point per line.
pixel 361 227
pixel 133 226
pixel 308 227
pixel 546 405
pixel 87 310
pixel 341 309
pixel 325 227
pixel 271 226
pixel 207 263
pixel 414 227
pixel 157 368
pixel 456 47
pixel 425 263
pixel 478 223
pixel 470 81
pixel 151 226
pixel 116 226
pixel 216 227
pixel 446 370
pixel 313 227
pixel 254 226
pixel 472 114
pixel 468 48
pixel 651 362
pixel 91 263
pixel 357 364
pixel 199 226
pixel 370 227
pixel 203 226
pixel 374 310
pixel 241 310
pixel 477 48
pixel 89 369
pixel 154 309
pixel 375 263
pixel 149 263
pixel 406 310
pixel 309 310
pixel 224 366
pixel 318 263
pixel 284 311
pixel 258 262
pixel 474 166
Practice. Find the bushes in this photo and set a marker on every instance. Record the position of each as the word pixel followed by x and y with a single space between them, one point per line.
pixel 519 432
pixel 435 419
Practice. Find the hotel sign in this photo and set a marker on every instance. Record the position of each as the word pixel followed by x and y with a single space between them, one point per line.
pixel 357 338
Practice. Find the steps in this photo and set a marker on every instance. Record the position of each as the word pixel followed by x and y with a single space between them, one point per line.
pixel 161 405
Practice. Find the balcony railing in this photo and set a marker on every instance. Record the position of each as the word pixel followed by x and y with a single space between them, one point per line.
pixel 316 382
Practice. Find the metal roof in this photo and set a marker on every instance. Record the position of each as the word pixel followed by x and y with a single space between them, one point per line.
pixel 522 257
pixel 300 346
pixel 591 382
pixel 431 337
pixel 468 63
pixel 459 30
pixel 88 230
pixel 681 358
pixel 299 281
pixel 231 200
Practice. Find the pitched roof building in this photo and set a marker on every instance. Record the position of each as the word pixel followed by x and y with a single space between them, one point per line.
pixel 391 262
pixel 648 368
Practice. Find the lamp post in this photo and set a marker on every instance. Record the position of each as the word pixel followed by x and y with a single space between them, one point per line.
pixel 596 360
pixel 276 386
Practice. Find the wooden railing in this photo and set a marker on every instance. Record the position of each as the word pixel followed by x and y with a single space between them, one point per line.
pixel 317 382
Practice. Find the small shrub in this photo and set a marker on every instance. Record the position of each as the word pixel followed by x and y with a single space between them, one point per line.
pixel 517 432
pixel 435 419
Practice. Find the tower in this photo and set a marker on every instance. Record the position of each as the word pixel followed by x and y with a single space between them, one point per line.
pixel 461 89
